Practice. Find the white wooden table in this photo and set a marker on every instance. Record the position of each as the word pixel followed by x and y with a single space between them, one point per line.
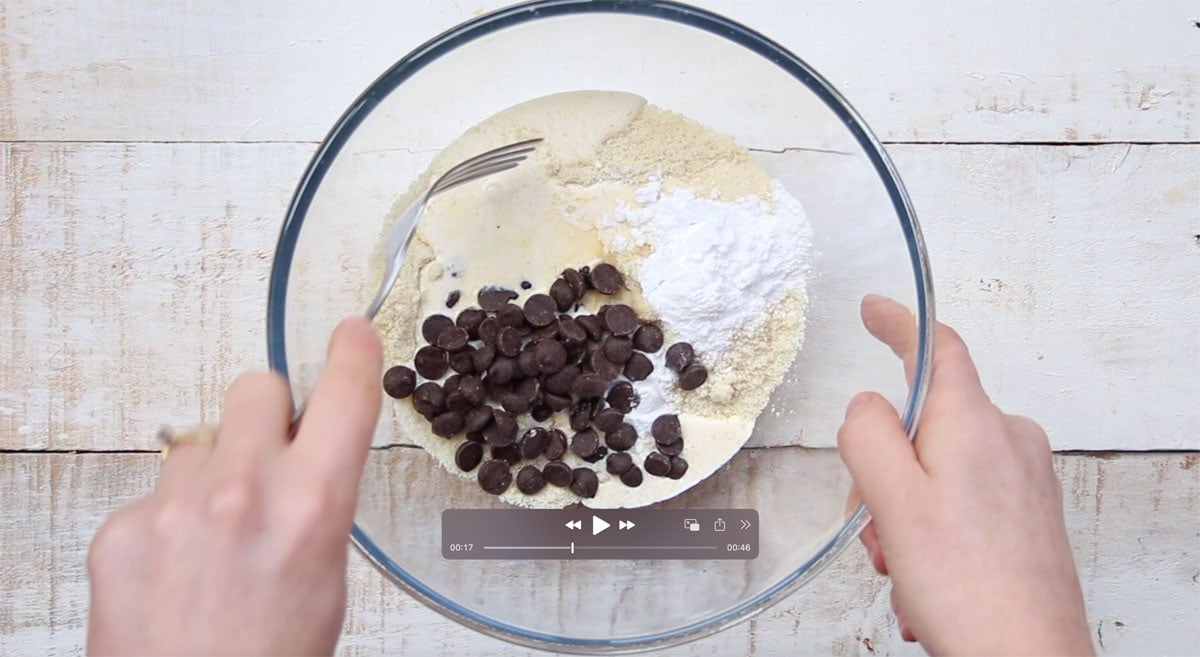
pixel 148 151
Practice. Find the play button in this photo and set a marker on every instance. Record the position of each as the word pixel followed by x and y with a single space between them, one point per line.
pixel 598 525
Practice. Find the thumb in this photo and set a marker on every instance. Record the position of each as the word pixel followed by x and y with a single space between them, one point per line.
pixel 875 449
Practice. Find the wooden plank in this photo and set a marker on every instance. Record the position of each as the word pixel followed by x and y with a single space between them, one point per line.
pixel 931 70
pixel 1132 520
pixel 135 277
pixel 135 280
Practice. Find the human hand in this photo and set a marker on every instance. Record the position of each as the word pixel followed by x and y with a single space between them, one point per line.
pixel 242 546
pixel 967 520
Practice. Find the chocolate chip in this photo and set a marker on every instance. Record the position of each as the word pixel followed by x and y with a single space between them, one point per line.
pixel 453 338
pixel 632 477
pixel 463 362
pixel 586 272
pixel 557 446
pixel 658 464
pixel 451 384
pixel 457 401
pixel 492 299
pixel 525 285
pixel 528 389
pixel 431 362
pixel 506 423
pixel 571 331
pixel 530 480
pixel 649 338
pixel 540 412
pixel 618 463
pixel 585 443
pixel 534 442
pixel 606 279
pixel 429 399
pixel 666 429
pixel 581 416
pixel 622 438
pixel 584 482
pixel 557 473
pixel 550 356
pixel 510 454
pixel 555 402
pixel 576 281
pixel 562 295
pixel 622 397
pixel 482 357
pixel 621 320
pixel 679 356
pixel 606 368
pixel 433 326
pixel 525 330
pixel 399 381
pixel 575 353
pixel 601 452
pixel 475 436
pixel 548 332
pixel 511 315
pixel 496 390
pixel 470 319
pixel 527 361
pixel 602 313
pixel 478 419
pixel 588 386
pixel 608 419
pixel 503 370
pixel 488 330
pixel 639 367
pixel 508 342
pixel 693 376
pixel 678 467
pixel 452 298
pixel 502 431
pixel 494 476
pixel 539 309
pixel 560 383
pixel 472 388
pixel 448 424
pixel 672 449
pixel 591 324
pixel 515 404
pixel 468 455
pixel 617 349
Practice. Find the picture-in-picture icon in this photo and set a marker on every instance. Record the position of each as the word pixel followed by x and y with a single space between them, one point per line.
pixel 691 524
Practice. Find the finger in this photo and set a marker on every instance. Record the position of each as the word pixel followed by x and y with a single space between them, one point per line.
pixel 255 417
pixel 335 432
pixel 954 372
pixel 881 460
pixel 870 540
pixel 183 459
pixel 901 623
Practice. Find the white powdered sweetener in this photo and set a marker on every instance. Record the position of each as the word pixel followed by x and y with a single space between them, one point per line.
pixel 751 253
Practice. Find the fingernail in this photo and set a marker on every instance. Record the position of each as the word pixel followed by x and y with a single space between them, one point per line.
pixel 860 400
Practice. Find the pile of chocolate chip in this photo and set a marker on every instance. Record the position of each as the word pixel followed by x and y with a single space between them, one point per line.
pixel 540 358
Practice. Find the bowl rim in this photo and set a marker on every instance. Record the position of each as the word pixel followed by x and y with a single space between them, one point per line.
pixel 670 11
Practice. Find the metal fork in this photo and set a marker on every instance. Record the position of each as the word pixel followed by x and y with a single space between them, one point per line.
pixel 480 166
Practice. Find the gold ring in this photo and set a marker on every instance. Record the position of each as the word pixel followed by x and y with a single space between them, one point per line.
pixel 168 437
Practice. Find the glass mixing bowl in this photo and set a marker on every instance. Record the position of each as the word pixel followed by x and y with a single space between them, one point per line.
pixel 866 240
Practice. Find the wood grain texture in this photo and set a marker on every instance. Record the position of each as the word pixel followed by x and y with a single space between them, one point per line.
pixel 135 277
pixel 935 70
pixel 1132 519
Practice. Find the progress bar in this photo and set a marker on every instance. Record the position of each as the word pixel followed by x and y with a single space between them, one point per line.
pixel 657 534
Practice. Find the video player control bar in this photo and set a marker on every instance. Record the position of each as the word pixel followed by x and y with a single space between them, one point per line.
pixel 600 534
